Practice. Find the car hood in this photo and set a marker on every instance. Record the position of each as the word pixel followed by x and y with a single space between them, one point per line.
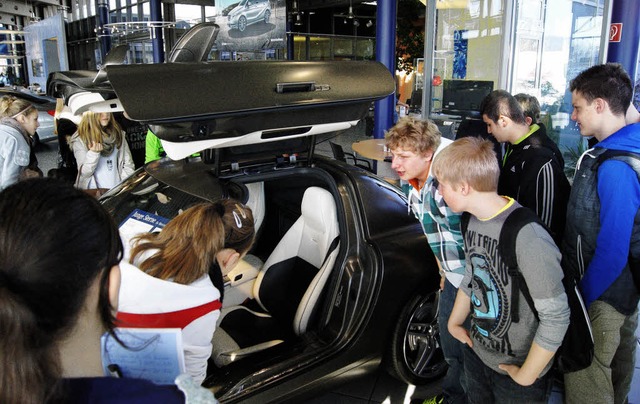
pixel 195 106
pixel 236 10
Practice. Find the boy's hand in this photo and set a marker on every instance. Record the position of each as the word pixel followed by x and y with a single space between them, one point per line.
pixel 519 377
pixel 461 334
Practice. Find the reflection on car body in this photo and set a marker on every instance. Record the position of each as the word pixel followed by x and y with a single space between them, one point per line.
pixel 249 12
pixel 337 306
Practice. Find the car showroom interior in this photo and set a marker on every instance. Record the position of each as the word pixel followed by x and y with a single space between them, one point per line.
pixel 236 201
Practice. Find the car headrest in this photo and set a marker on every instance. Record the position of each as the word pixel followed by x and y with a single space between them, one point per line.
pixel 319 210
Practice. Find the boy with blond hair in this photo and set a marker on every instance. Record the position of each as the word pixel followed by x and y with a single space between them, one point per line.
pixel 518 315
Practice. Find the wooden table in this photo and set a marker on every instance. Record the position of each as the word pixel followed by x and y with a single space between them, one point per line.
pixel 372 149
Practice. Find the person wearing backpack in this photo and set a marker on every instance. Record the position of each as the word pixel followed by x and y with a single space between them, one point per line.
pixel 510 345
pixel 603 232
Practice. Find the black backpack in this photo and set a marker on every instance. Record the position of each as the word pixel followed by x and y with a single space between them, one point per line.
pixel 633 160
pixel 576 351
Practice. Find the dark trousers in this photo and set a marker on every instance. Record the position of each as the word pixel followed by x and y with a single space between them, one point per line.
pixel 484 385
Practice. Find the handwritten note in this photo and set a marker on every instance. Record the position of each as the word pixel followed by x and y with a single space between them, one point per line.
pixel 153 354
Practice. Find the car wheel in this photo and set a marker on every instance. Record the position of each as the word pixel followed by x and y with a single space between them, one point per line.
pixel 267 15
pixel 242 23
pixel 416 356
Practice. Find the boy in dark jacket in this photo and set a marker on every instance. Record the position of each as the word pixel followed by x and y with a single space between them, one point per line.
pixel 532 169
pixel 603 232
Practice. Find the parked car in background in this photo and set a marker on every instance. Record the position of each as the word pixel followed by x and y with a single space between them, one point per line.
pixel 249 12
pixel 341 279
pixel 46 110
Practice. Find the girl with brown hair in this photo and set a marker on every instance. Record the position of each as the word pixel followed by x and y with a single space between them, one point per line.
pixel 59 283
pixel 167 282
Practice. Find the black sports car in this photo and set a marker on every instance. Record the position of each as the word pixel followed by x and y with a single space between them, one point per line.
pixel 341 278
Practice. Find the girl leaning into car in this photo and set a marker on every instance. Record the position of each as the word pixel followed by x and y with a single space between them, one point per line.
pixel 172 280
pixel 101 151
pixel 59 283
pixel 18 123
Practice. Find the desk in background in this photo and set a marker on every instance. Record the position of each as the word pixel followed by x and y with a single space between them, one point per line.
pixel 373 149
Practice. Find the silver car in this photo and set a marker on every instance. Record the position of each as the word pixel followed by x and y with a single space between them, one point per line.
pixel 249 12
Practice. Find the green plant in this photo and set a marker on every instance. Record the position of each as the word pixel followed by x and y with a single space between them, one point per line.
pixel 409 34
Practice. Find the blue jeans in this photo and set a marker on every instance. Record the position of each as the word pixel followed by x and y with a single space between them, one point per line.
pixel 453 382
pixel 485 385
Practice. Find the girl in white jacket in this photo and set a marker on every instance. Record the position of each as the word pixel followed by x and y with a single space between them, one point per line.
pixel 170 283
pixel 101 152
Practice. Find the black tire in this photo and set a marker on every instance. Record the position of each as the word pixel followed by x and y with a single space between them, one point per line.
pixel 242 23
pixel 416 356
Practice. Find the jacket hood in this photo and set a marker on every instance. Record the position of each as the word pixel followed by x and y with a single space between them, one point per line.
pixel 627 139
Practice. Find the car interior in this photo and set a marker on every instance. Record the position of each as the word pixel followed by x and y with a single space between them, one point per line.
pixel 288 285
pixel 279 286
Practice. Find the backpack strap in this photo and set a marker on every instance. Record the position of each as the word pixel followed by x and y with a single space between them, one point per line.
pixel 464 223
pixel 516 220
pixel 633 160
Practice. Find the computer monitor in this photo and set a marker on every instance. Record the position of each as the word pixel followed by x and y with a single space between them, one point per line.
pixel 415 103
pixel 463 97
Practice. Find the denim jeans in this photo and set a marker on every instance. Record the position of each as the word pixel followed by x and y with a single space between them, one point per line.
pixel 484 385
pixel 608 379
pixel 453 382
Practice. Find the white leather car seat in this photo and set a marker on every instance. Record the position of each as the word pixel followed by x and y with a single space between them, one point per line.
pixel 240 279
pixel 288 286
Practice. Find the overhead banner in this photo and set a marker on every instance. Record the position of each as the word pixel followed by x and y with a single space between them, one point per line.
pixel 251 25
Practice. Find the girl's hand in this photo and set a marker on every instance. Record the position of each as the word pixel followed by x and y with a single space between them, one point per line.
pixel 96 147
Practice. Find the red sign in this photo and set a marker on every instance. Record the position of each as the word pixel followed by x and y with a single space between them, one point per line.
pixel 615 32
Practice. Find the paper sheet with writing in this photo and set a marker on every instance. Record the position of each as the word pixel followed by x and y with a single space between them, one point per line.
pixel 139 222
pixel 153 354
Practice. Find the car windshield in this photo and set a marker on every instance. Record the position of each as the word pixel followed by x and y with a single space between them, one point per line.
pixel 165 192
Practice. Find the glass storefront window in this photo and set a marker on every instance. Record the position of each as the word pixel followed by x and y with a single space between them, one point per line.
pixel 467 45
pixel 189 13
pixel 554 41
pixel 529 46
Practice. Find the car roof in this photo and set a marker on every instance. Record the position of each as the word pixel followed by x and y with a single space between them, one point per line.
pixel 33 98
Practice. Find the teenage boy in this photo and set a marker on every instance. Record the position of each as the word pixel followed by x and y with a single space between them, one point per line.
pixel 603 232
pixel 532 167
pixel 509 349
pixel 413 143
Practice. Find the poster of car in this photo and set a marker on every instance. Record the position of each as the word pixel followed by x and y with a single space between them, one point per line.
pixel 251 25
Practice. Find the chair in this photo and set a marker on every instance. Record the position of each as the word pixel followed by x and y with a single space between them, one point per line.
pixel 340 155
pixel 288 286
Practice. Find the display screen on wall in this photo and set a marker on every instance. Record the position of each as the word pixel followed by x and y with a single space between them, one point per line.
pixel 251 25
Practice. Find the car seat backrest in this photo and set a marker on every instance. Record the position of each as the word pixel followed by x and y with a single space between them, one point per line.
pixel 292 278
